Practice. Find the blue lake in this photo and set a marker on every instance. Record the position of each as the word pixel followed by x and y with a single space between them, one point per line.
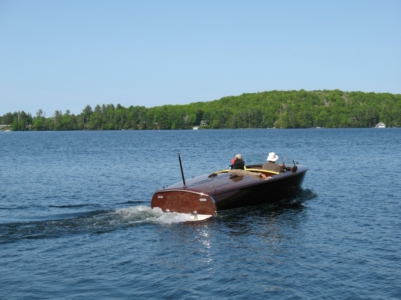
pixel 76 222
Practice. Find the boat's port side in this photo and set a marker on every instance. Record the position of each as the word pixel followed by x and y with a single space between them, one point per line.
pixel 184 201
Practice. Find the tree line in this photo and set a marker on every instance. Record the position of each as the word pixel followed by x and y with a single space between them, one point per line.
pixel 272 109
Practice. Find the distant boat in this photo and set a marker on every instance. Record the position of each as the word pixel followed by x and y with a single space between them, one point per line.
pixel 380 125
pixel 195 127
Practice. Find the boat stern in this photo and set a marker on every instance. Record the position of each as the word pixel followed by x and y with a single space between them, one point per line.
pixel 200 205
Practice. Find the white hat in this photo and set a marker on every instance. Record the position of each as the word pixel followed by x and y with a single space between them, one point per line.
pixel 272 157
pixel 239 156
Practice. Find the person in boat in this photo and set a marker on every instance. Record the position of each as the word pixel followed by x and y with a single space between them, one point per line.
pixel 238 163
pixel 232 162
pixel 271 163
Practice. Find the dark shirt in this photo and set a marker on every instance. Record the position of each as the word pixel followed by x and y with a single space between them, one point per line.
pixel 239 164
pixel 271 166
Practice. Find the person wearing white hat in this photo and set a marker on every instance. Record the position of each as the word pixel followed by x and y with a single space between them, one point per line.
pixel 271 163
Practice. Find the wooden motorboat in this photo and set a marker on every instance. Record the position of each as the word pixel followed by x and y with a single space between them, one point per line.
pixel 205 195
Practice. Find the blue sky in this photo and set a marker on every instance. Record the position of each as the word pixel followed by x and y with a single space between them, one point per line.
pixel 59 55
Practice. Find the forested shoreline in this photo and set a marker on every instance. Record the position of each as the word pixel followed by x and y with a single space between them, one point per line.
pixel 272 109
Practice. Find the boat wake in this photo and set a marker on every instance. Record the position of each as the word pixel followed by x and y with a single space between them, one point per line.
pixel 101 221
pixel 303 196
pixel 93 222
pixel 145 214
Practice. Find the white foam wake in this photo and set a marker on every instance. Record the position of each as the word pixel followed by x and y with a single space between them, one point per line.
pixel 144 214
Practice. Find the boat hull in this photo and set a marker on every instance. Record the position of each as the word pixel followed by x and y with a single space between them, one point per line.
pixel 184 201
pixel 208 194
pixel 269 191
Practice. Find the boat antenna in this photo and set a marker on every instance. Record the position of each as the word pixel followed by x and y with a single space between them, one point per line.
pixel 294 168
pixel 182 172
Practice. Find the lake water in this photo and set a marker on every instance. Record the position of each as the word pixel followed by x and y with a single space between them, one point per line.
pixel 76 222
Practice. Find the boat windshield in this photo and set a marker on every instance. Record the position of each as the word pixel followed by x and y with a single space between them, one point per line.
pixel 257 159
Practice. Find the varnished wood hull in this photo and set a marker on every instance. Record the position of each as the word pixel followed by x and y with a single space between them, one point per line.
pixel 206 195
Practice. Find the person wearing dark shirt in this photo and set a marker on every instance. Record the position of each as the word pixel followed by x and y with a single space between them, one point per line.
pixel 238 164
pixel 271 163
